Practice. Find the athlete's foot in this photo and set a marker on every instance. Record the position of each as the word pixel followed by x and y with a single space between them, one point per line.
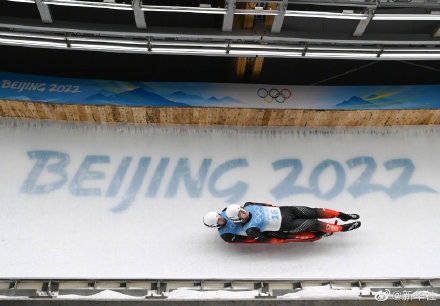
pixel 346 217
pixel 351 226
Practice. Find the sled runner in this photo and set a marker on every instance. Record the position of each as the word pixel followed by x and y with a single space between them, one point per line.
pixel 299 237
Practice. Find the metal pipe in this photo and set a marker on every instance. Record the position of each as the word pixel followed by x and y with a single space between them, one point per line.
pixel 206 35
pixel 22 1
pixel 32 35
pixel 31 43
pixel 108 48
pixel 336 48
pixel 77 3
pixel 139 41
pixel 127 7
pixel 422 17
pixel 341 55
pixel 184 9
pixel 219 49
pixel 327 15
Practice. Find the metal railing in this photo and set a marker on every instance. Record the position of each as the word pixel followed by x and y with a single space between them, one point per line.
pixel 257 11
pixel 163 288
pixel 214 44
pixel 281 10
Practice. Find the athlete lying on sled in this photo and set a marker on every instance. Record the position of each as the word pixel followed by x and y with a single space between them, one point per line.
pixel 265 223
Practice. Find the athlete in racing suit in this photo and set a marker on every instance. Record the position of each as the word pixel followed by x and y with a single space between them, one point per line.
pixel 263 222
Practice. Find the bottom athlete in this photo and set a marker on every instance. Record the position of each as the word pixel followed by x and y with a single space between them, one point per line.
pixel 262 222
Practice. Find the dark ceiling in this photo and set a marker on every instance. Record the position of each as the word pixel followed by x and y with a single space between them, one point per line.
pixel 82 64
pixel 96 65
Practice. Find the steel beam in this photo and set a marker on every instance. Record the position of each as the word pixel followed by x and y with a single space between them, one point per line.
pixel 139 15
pixel 228 19
pixel 409 4
pixel 44 10
pixel 343 3
pixel 203 34
pixel 279 19
pixel 350 3
pixel 360 3
pixel 436 33
pixel 368 3
pixel 362 25
pixel 227 11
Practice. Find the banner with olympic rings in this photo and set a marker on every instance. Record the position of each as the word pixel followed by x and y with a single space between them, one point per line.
pixel 274 94
pixel 174 94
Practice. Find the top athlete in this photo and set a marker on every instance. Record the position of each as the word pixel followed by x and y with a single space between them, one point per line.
pixel 261 222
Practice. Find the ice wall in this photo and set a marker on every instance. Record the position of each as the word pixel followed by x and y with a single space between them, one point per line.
pixel 127 201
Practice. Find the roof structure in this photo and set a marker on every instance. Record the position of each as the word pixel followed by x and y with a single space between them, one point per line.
pixel 340 29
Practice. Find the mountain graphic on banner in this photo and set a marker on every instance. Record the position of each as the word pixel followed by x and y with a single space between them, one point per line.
pixel 224 99
pixel 182 96
pixel 135 97
pixel 101 95
pixel 356 101
pixel 190 98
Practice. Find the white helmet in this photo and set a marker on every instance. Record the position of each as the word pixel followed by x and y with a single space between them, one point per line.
pixel 211 218
pixel 232 212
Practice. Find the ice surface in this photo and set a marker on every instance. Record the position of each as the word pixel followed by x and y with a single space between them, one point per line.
pixel 63 234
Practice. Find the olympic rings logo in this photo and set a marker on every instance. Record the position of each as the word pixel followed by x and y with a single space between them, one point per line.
pixel 272 94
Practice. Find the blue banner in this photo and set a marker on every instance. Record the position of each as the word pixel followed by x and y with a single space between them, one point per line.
pixel 171 94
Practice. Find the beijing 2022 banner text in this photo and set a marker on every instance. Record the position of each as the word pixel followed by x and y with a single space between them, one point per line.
pixel 168 94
